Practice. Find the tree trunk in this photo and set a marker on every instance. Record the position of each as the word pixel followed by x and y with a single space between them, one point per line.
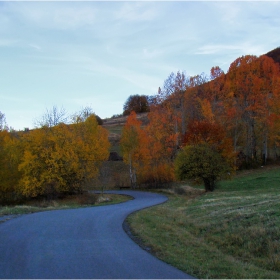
pixel 264 153
pixel 131 171
pixel 209 184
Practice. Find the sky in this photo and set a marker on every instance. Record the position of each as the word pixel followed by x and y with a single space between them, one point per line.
pixel 97 53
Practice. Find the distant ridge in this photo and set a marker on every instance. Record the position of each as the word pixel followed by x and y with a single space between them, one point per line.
pixel 274 54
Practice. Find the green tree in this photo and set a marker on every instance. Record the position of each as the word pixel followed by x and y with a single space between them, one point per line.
pixel 136 103
pixel 202 161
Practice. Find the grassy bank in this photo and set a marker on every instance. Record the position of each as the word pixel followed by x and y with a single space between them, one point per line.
pixel 73 201
pixel 233 232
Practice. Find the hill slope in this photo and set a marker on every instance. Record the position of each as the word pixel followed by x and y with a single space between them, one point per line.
pixel 274 54
pixel 115 126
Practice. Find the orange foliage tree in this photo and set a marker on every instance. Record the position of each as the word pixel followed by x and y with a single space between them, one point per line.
pixel 132 146
pixel 160 148
pixel 204 131
pixel 207 154
pixel 230 113
pixel 150 151
pixel 249 97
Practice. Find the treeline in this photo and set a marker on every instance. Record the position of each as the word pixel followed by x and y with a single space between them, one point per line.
pixel 52 160
pixel 198 127
pixel 235 113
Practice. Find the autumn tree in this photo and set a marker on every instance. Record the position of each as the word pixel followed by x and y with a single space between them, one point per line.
pixel 207 153
pixel 48 162
pixel 216 72
pixel 214 134
pixel 131 138
pixel 60 159
pixel 91 145
pixel 136 103
pixel 233 112
pixel 251 89
pixel 158 148
pixel 83 114
pixel 52 117
pixel 3 123
pixel 173 93
pixel 10 156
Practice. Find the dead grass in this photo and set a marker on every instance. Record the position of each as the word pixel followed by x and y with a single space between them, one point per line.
pixel 72 201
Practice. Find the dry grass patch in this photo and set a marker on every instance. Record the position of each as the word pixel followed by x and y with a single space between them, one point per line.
pixel 72 201
pixel 186 190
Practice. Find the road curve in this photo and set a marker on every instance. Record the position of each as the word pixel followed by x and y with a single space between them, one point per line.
pixel 85 243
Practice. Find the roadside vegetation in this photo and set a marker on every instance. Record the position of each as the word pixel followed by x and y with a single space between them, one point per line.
pixel 68 202
pixel 233 232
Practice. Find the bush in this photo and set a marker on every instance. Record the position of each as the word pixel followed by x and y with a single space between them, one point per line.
pixel 201 161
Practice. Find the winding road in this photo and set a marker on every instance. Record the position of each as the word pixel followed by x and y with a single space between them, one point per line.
pixel 85 243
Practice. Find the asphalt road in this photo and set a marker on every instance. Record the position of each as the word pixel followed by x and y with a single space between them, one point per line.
pixel 85 243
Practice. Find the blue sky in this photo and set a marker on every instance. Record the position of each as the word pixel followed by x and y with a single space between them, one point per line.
pixel 97 54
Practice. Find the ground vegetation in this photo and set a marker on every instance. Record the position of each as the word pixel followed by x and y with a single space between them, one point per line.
pixel 232 233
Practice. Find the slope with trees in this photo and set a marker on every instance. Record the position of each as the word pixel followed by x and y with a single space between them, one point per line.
pixel 235 113
pixel 240 107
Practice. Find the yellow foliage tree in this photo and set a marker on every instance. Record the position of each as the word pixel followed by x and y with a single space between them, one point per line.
pixel 131 142
pixel 62 158
pixel 10 155
pixel 91 145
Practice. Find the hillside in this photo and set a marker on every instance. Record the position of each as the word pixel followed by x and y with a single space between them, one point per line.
pixel 275 55
pixel 115 125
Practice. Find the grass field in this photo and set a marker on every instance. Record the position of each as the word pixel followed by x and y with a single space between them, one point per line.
pixel 233 232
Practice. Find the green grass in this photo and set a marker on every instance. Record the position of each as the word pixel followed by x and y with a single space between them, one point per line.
pixel 233 232
pixel 115 132
pixel 73 201
pixel 116 129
